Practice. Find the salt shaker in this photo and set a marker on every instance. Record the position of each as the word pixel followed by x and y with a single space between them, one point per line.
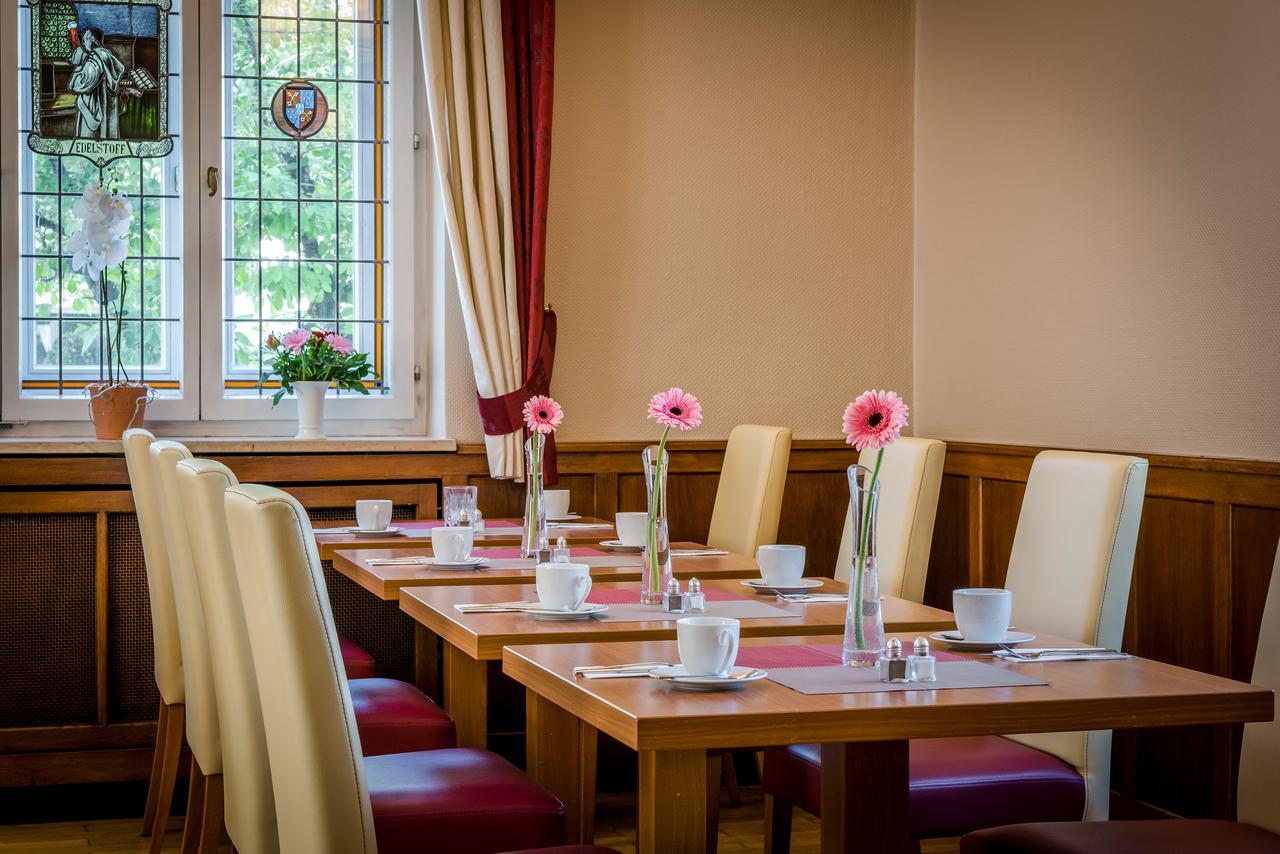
pixel 477 521
pixel 464 519
pixel 696 600
pixel 893 666
pixel 922 660
pixel 561 552
pixel 673 601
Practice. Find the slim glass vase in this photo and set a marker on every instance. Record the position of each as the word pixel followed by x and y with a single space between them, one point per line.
pixel 534 543
pixel 656 572
pixel 863 621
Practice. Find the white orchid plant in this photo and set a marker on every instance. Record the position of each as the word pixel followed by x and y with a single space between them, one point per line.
pixel 100 244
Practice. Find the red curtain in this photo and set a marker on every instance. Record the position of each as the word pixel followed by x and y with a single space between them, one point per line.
pixel 528 36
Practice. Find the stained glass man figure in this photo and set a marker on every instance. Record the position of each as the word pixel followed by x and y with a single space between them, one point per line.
pixel 95 78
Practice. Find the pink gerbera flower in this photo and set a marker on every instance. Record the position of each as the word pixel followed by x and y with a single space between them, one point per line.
pixel 339 343
pixel 295 339
pixel 542 414
pixel 875 420
pixel 676 408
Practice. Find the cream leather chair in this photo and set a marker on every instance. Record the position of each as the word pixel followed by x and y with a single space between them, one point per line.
pixel 330 798
pixel 164 630
pixel 250 813
pixel 910 479
pixel 203 827
pixel 749 497
pixel 1069 572
pixel 1257 828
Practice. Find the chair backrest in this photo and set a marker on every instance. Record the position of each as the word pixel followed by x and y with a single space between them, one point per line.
pixel 1256 796
pixel 197 668
pixel 910 479
pixel 1069 573
pixel 155 551
pixel 250 808
pixel 317 768
pixel 749 497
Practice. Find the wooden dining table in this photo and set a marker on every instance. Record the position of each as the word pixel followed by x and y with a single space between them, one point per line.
pixel 864 736
pixel 474 641
pixel 497 532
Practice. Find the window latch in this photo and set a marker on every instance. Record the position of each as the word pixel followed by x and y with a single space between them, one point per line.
pixel 417 141
pixel 417 373
pixel 211 178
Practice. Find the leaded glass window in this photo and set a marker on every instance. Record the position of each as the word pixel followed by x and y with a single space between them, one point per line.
pixel 303 218
pixel 60 334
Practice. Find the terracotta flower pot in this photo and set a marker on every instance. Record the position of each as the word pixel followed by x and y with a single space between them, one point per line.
pixel 116 408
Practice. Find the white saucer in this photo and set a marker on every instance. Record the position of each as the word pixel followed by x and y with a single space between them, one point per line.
pixel 586 612
pixel 676 675
pixel 619 546
pixel 385 532
pixel 465 563
pixel 760 586
pixel 954 640
pixel 570 518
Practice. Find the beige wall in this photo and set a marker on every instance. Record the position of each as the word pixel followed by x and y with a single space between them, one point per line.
pixel 1098 224
pixel 730 209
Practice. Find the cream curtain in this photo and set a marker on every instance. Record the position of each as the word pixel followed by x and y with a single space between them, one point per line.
pixel 466 98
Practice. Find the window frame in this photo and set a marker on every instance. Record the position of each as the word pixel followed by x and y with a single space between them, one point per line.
pixel 202 404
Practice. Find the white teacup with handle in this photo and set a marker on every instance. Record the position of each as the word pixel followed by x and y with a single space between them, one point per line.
pixel 452 544
pixel 562 586
pixel 708 645
pixel 632 528
pixel 982 613
pixel 373 514
pixel 781 566
pixel 557 503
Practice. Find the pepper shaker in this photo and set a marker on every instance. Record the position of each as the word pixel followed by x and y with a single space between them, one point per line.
pixel 673 601
pixel 544 550
pixel 893 666
pixel 923 661
pixel 696 599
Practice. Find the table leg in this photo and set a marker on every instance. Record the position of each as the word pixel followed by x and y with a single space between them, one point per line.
pixel 426 661
pixel 466 694
pixel 561 757
pixel 672 810
pixel 865 792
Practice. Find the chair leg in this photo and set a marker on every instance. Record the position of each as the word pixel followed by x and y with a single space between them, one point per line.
pixel 730 774
pixel 195 809
pixel 714 768
pixel 171 738
pixel 211 816
pixel 157 763
pixel 777 825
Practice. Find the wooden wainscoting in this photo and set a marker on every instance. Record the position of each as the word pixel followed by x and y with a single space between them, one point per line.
pixel 77 695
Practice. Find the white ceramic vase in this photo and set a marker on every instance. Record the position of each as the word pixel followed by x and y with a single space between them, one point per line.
pixel 310 408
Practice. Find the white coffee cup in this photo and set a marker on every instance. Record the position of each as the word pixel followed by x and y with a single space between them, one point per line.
pixel 632 528
pixel 781 566
pixel 557 502
pixel 452 543
pixel 982 613
pixel 373 515
pixel 708 645
pixel 562 586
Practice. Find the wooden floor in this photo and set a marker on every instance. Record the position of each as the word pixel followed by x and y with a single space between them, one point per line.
pixel 741 830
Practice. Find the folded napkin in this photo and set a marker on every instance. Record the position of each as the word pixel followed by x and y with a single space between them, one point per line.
pixel 697 552
pixel 397 561
pixel 620 671
pixel 1034 655
pixel 493 607
pixel 814 597
pixel 346 530
pixel 579 525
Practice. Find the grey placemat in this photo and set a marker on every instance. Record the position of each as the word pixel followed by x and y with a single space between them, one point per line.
pixel 738 609
pixel 863 680
pixel 530 563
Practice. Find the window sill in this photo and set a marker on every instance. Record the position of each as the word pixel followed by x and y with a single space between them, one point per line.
pixel 238 445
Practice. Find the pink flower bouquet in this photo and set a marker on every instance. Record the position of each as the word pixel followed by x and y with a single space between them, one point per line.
pixel 315 355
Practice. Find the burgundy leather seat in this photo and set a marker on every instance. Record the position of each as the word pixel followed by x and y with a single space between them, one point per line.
pixel 1173 836
pixel 567 849
pixel 957 784
pixel 461 800
pixel 358 663
pixel 395 717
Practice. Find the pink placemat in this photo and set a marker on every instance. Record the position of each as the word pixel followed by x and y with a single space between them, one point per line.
pixel 631 596
pixel 631 611
pixel 513 551
pixel 428 524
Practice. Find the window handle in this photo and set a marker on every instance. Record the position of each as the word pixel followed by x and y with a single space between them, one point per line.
pixel 211 178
